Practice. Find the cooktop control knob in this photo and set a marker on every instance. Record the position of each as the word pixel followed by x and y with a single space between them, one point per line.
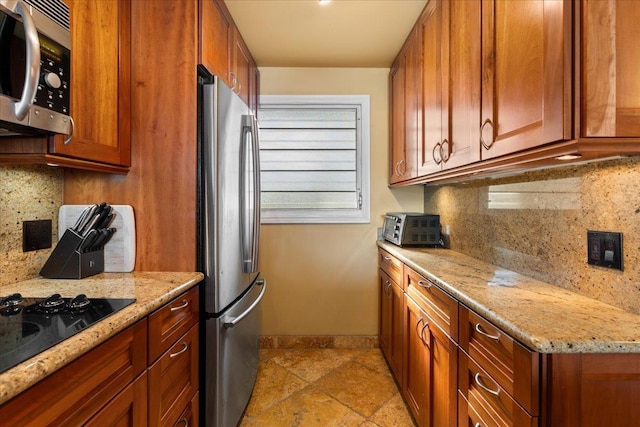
pixel 13 299
pixel 52 301
pixel 52 80
pixel 79 302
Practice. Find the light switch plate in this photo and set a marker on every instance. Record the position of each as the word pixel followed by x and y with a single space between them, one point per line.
pixel 604 249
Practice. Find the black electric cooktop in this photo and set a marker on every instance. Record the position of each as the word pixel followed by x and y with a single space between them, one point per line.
pixel 29 326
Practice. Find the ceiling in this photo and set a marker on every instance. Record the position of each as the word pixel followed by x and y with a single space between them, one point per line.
pixel 342 33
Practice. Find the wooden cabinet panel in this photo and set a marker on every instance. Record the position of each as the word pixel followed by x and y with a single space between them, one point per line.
pixel 526 75
pixel 610 63
pixel 397 331
pixel 444 378
pixel 434 97
pixel 441 308
pixel 417 362
pixel 73 394
pixel 242 68
pixel 100 83
pixel 464 82
pixel 486 396
pixel 405 131
pixel 514 367
pixel 173 380
pixel 127 409
pixel 171 321
pixel 215 38
pixel 385 318
pixel 189 416
pixel 390 265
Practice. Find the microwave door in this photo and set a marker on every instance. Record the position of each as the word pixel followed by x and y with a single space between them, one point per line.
pixel 16 111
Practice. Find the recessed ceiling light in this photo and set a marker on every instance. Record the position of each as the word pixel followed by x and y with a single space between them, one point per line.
pixel 323 2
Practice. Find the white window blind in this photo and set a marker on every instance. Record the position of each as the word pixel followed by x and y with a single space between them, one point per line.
pixel 313 158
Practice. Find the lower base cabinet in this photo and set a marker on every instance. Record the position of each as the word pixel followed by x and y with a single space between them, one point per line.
pixel 128 408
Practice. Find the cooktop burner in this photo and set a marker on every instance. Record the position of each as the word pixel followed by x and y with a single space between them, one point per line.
pixel 29 326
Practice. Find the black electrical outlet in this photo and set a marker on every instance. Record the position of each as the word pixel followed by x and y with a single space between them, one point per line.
pixel 36 235
pixel 604 249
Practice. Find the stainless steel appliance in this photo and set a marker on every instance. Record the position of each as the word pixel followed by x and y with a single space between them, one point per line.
pixel 35 67
pixel 229 230
pixel 29 326
pixel 412 229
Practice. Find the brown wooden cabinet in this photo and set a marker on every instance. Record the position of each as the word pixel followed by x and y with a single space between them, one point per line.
pixel 610 62
pixel 391 326
pixel 405 96
pixel 417 362
pixel 215 41
pixel 526 75
pixel 117 383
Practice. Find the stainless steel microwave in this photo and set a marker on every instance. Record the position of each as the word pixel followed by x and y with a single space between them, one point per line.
pixel 35 67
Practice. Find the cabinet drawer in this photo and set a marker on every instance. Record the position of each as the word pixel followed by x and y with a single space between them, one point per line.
pixel 511 365
pixel 173 380
pixel 442 308
pixel 73 394
pixel 129 408
pixel 171 322
pixel 488 400
pixel 390 265
pixel 189 416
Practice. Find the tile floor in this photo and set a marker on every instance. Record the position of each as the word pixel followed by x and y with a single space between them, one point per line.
pixel 324 388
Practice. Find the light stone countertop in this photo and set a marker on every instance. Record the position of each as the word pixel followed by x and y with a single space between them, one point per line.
pixel 543 317
pixel 151 290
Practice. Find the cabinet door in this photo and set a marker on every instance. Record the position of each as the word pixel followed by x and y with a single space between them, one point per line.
pixel 385 314
pixel 215 38
pixel 397 331
pixel 417 373
pixel 100 83
pixel 435 120
pixel 405 83
pixel 444 378
pixel 464 83
pixel 610 63
pixel 128 408
pixel 242 67
pixel 526 74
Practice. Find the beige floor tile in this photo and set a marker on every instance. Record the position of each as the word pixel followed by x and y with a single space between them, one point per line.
pixel 393 413
pixel 309 408
pixel 311 364
pixel 373 358
pixel 358 387
pixel 273 384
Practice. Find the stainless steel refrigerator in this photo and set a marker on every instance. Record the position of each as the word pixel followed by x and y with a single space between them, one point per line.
pixel 229 230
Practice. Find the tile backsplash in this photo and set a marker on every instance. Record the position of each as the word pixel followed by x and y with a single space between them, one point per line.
pixel 26 193
pixel 536 224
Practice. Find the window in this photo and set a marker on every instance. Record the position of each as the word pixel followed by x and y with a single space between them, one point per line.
pixel 314 158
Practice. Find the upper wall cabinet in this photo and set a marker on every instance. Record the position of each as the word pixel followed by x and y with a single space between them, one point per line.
pixel 450 34
pixel 405 96
pixel 215 40
pixel 100 95
pixel 100 83
pixel 610 64
pixel 225 54
pixel 526 75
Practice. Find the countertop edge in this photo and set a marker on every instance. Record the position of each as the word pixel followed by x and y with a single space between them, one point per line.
pixel 26 374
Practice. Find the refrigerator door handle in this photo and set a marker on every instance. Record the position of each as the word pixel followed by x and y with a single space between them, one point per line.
pixel 250 203
pixel 234 321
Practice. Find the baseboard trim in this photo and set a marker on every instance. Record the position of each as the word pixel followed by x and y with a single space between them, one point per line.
pixel 315 341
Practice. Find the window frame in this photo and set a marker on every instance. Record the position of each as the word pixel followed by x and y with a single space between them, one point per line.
pixel 363 161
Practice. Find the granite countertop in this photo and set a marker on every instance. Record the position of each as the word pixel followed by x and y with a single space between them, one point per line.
pixel 150 289
pixel 543 317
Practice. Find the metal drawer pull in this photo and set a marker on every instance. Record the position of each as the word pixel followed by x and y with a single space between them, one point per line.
pixel 185 347
pixel 481 332
pixel 183 421
pixel 185 303
pixel 436 160
pixel 477 425
pixel 386 258
pixel 425 285
pixel 424 341
pixel 421 320
pixel 484 387
pixel 486 145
